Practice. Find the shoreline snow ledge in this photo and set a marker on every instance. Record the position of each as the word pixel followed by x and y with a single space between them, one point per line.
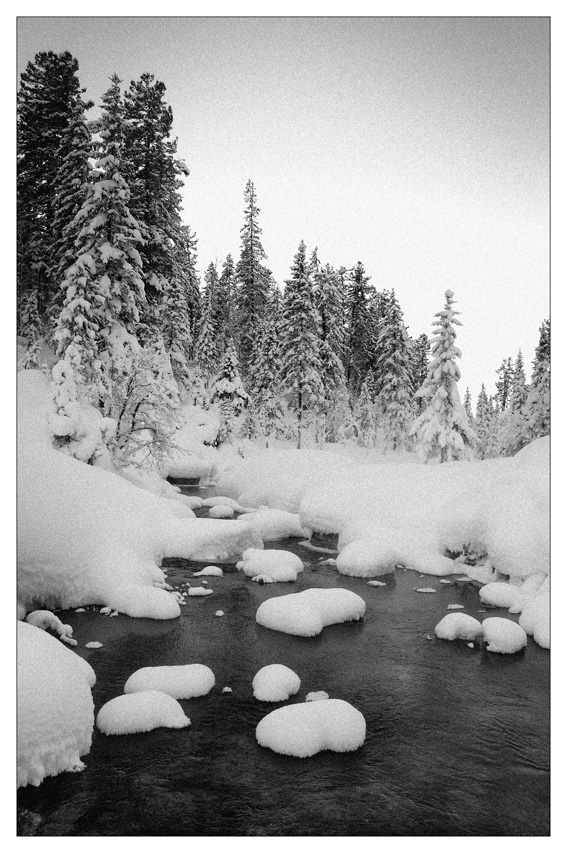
pixel 306 729
pixel 306 613
pixel 55 706
pixel 87 536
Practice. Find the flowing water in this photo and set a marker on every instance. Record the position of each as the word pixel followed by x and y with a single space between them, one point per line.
pixel 457 738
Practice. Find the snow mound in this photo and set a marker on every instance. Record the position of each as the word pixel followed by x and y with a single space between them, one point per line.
pixel 273 524
pixel 209 571
pixel 45 619
pixel 195 591
pixel 275 683
pixel 94 644
pixel 221 511
pixel 306 729
pixel 367 558
pixel 499 594
pixel 458 626
pixel 144 602
pixel 55 706
pixel 141 712
pixel 503 635
pixel 271 565
pixel 181 682
pixel 306 613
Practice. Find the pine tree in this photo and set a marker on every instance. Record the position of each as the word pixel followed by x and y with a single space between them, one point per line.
pixel 228 390
pixel 394 367
pixel 48 99
pixel 155 176
pixel 342 427
pixel 359 331
pixel 537 407
pixel 483 424
pixel 103 288
pixel 226 295
pixel 504 384
pixel 419 358
pixel 265 368
pixel 252 277
pixel 301 365
pixel 206 350
pixel 442 431
pixel 364 413
pixel 511 425
pixel 328 303
pixel 467 405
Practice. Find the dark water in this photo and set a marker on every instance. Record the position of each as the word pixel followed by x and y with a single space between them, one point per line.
pixel 457 739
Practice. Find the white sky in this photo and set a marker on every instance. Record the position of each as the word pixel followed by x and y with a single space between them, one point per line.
pixel 416 145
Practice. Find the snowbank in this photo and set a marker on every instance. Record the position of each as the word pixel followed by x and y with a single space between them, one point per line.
pixel 141 712
pixel 55 706
pixel 306 613
pixel 181 682
pixel 87 536
pixel 275 683
pixel 271 566
pixel 306 729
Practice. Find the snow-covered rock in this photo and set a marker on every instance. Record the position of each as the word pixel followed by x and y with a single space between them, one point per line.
pixel 271 565
pixel 458 626
pixel 367 558
pixel 196 591
pixel 141 712
pixel 209 571
pixel 181 682
pixel 55 706
pixel 306 613
pixel 503 635
pixel 221 511
pixel 273 524
pixel 499 594
pixel 306 729
pixel 275 683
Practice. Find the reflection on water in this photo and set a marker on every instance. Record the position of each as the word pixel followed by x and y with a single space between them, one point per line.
pixel 457 738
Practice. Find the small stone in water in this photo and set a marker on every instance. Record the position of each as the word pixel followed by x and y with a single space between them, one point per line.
pixel 206 583
pixel 375 583
pixel 114 613
pixel 423 589
pixel 470 645
pixel 227 690
pixel 80 610
pixel 198 590
pixel 445 581
pixel 93 645
pixel 455 607
pixel 219 613
pixel 105 610
pixel 428 637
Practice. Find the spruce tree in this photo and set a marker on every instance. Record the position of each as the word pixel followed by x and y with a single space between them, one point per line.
pixel 511 426
pixel 342 427
pixel 229 392
pixel 537 406
pixel 226 295
pixel 359 329
pixel 253 279
pixel 420 358
pixel 206 350
pixel 265 369
pixel 328 303
pixel 483 424
pixel 467 405
pixel 365 413
pixel 504 384
pixel 442 431
pixel 394 367
pixel 48 99
pixel 301 365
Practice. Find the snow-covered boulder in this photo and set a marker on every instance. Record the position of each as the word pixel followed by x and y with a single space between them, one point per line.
pixel 275 683
pixel 367 558
pixel 147 602
pixel 306 613
pixel 55 706
pixel 221 511
pixel 274 524
pixel 141 712
pixel 182 682
pixel 499 594
pixel 458 626
pixel 209 571
pixel 272 565
pixel 306 729
pixel 503 635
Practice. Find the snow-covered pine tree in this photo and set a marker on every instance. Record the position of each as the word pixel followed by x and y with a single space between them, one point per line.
pixel 365 413
pixel 359 329
pixel 511 422
pixel 442 430
pixel 206 349
pixel 420 358
pixel 228 390
pixel 103 288
pixel 253 279
pixel 394 371
pixel 300 373
pixel 225 304
pixel 467 405
pixel 47 101
pixel 504 384
pixel 483 424
pixel 265 368
pixel 342 426
pixel 328 303
pixel 537 408
pixel 185 254
pixel 155 176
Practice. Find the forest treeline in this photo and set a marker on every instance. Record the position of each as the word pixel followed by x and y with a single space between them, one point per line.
pixel 108 286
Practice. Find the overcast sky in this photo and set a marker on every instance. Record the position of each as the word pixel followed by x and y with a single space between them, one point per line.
pixel 418 146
